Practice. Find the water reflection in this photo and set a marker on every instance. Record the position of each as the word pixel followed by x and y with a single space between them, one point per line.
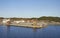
pixel 34 30
pixel 8 31
pixel 19 32
pixel 34 33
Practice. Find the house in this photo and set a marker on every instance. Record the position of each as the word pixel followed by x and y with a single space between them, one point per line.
pixel 6 21
pixel 20 21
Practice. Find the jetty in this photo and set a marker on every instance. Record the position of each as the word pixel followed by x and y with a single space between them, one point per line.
pixel 30 25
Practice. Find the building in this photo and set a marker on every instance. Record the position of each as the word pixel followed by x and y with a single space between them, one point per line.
pixel 20 21
pixel 6 21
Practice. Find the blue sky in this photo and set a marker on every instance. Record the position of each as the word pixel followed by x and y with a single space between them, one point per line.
pixel 29 8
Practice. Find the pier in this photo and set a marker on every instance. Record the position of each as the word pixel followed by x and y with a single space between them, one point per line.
pixel 30 25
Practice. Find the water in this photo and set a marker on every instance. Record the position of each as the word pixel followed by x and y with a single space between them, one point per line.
pixel 21 32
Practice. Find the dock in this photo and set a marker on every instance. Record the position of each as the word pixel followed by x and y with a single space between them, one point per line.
pixel 29 25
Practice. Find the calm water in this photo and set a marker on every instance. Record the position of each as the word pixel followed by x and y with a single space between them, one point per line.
pixel 21 32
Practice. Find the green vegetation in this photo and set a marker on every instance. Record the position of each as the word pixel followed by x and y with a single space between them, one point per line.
pixel 56 19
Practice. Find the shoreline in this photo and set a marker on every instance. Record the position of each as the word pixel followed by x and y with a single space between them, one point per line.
pixel 33 25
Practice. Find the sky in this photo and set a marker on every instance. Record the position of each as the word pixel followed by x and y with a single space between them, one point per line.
pixel 29 8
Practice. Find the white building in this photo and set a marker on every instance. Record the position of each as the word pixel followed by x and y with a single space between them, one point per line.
pixel 5 21
pixel 21 21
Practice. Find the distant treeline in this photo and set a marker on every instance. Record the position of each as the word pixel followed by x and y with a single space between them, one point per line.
pixel 56 19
